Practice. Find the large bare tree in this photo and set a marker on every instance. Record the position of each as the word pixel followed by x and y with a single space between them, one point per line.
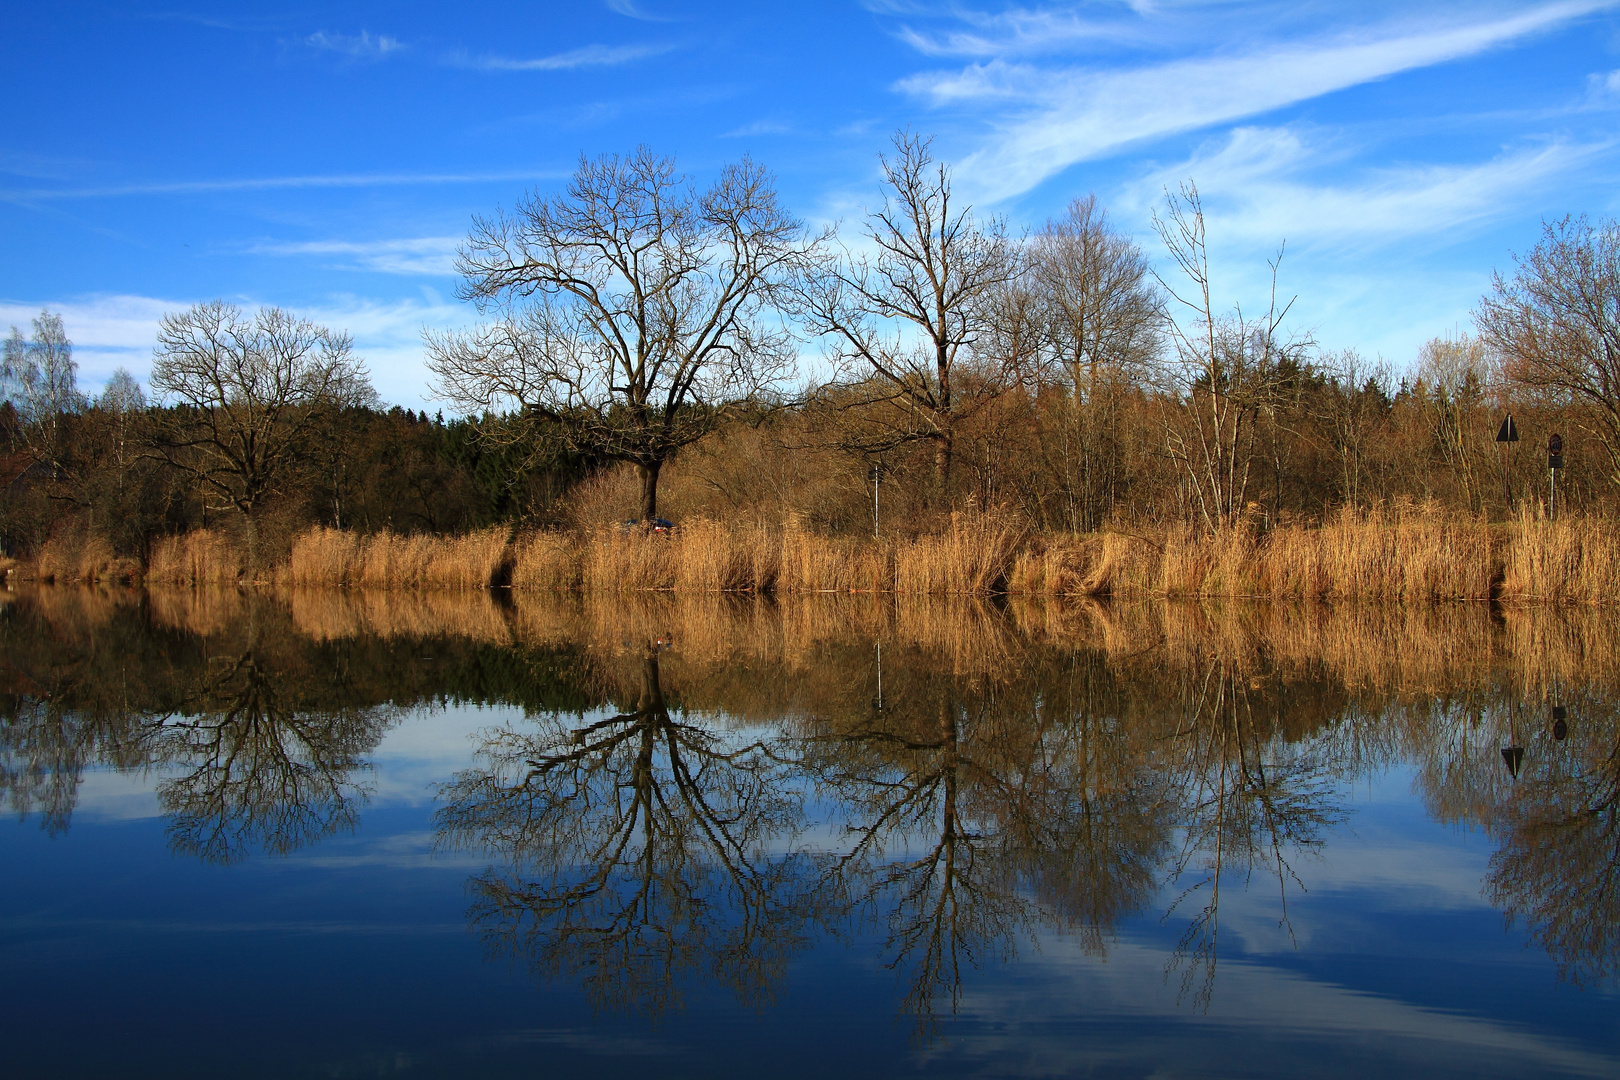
pixel 903 318
pixel 630 309
pixel 248 395
pixel 1557 324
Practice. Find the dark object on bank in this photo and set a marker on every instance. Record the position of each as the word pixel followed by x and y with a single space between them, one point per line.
pixel 657 525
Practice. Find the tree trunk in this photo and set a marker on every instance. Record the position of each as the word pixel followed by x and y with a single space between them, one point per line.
pixel 649 489
pixel 252 547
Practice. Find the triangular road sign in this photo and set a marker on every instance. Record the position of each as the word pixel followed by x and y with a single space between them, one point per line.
pixel 1508 432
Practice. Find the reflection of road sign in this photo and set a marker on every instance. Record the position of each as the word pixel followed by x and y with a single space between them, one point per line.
pixel 1555 452
pixel 875 473
pixel 1509 431
pixel 1513 757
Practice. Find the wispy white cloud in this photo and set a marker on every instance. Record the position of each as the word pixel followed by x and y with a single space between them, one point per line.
pixel 585 56
pixel 257 183
pixel 361 46
pixel 1018 31
pixel 426 255
pixel 632 9
pixel 758 127
pixel 1604 85
pixel 1049 119
pixel 1258 186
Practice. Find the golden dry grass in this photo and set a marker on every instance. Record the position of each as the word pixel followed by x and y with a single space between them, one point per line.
pixel 331 557
pixel 75 556
pixel 1404 553
pixel 973 557
pixel 203 557
pixel 1572 560
pixel 1408 553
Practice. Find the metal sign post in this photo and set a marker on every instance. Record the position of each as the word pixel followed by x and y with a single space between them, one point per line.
pixel 1555 461
pixel 1507 433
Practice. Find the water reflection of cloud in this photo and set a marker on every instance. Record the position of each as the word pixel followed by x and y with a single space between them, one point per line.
pixel 108 794
pixel 1309 1027
pixel 400 851
pixel 428 745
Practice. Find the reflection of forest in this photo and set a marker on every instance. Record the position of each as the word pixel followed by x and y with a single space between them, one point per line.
pixel 703 787
pixel 257 733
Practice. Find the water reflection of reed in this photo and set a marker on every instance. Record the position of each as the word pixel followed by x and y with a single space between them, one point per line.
pixel 205 612
pixel 1385 648
pixel 333 615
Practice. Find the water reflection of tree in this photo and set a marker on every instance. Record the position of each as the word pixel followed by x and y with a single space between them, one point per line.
pixel 639 848
pixel 254 767
pixel 258 735
pixel 1557 867
pixel 67 700
pixel 1245 800
pixel 978 810
pixel 1093 820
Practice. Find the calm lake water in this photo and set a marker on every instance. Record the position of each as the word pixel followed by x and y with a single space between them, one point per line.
pixel 346 835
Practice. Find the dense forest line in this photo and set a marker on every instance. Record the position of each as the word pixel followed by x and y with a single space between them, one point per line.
pixel 647 353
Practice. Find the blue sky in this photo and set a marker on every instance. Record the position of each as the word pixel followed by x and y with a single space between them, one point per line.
pixel 328 157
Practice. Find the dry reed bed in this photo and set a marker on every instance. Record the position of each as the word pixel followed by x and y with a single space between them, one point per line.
pixel 203 557
pixel 326 557
pixel 76 557
pixel 1406 553
pixel 704 556
pixel 1409 556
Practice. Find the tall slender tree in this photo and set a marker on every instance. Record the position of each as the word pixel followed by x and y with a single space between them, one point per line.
pixel 902 320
